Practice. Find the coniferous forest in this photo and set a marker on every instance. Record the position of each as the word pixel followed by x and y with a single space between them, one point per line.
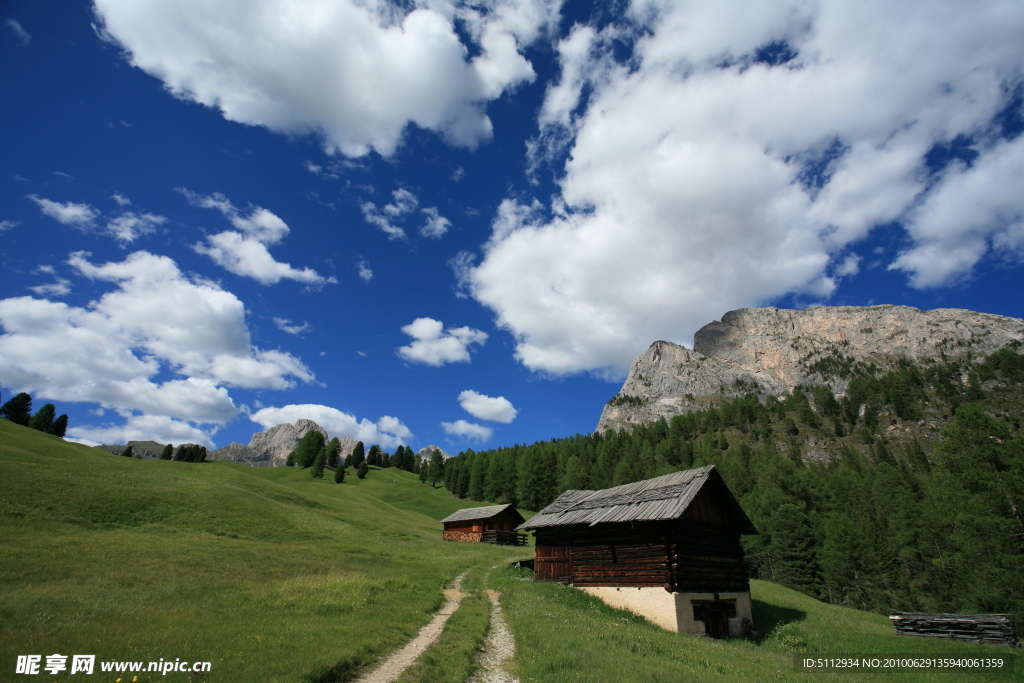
pixel 907 493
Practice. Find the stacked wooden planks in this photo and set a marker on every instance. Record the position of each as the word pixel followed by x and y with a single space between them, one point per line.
pixel 994 629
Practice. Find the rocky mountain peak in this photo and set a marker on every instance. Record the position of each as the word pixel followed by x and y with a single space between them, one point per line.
pixel 773 350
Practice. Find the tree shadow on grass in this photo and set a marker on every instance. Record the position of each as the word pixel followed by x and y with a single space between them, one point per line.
pixel 768 617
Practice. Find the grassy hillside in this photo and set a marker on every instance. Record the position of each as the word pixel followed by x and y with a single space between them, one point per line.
pixel 614 646
pixel 267 573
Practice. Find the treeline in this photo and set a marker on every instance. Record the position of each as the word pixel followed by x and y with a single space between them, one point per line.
pixel 313 452
pixel 19 411
pixel 878 525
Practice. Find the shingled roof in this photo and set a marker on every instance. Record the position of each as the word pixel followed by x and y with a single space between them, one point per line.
pixel 662 498
pixel 478 513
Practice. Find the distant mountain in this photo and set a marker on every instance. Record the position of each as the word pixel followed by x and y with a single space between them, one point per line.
pixel 769 351
pixel 425 452
pixel 149 450
pixel 269 448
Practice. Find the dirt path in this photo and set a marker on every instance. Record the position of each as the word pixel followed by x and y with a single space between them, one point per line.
pixel 394 665
pixel 499 649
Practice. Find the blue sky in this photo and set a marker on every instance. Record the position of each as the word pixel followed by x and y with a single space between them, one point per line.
pixel 433 222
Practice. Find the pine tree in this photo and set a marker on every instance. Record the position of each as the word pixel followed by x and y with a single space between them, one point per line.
pixel 436 467
pixel 339 475
pixel 308 448
pixel 358 454
pixel 290 460
pixel 373 456
pixel 167 453
pixel 128 452
pixel 18 410
pixel 333 449
pixel 363 470
pixel 60 426
pixel 794 555
pixel 43 419
pixel 319 464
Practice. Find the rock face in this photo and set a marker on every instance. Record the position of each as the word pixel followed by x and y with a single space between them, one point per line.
pixel 425 452
pixel 269 448
pixel 772 350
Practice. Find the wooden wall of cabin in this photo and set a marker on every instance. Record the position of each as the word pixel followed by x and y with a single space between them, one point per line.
pixel 505 521
pixel 468 530
pixel 682 556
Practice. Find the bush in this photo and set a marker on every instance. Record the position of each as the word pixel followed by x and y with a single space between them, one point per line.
pixel 339 475
pixel 363 470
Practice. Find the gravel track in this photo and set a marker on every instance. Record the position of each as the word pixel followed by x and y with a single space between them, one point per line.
pixel 499 649
pixel 394 665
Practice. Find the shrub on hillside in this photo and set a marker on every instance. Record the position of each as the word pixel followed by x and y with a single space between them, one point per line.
pixel 339 475
pixel 319 464
pixel 363 470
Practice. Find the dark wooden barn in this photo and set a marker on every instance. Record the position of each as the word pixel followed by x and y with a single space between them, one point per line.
pixel 491 524
pixel 677 535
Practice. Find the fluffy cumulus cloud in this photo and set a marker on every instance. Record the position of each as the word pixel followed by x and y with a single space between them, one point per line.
pixel 159 428
pixel 483 407
pixel 727 163
pixel 388 431
pixel 355 72
pixel 114 350
pixel 467 430
pixel 243 251
pixel 402 205
pixel 434 345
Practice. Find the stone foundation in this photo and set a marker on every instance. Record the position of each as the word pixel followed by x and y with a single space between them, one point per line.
pixel 675 611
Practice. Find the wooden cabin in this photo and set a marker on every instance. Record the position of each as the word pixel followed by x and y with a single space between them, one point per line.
pixel 667 548
pixel 492 524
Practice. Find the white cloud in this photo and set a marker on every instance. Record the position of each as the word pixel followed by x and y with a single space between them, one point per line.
pixel 69 213
pixel 111 351
pixel 356 73
pixel 121 199
pixel 436 225
pixel 703 176
pixel 364 271
pixel 245 252
pixel 469 430
pixel 483 407
pixel 849 266
pixel 388 431
pixel 157 428
pixel 435 346
pixel 20 33
pixel 58 288
pixel 7 225
pixel 124 228
pixel 971 209
pixel 286 325
pixel 129 226
pixel 403 204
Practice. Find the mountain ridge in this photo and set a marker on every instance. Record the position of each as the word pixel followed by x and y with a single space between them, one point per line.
pixel 769 351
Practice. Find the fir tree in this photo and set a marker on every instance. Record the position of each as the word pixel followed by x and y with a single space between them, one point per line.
pixel 290 460
pixel 319 464
pixel 333 449
pixel 436 467
pixel 60 425
pixel 18 409
pixel 308 448
pixel 339 475
pixel 794 555
pixel 373 455
pixel 363 470
pixel 167 453
pixel 358 454
pixel 43 419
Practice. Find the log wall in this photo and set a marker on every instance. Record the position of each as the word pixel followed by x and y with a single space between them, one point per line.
pixel 468 536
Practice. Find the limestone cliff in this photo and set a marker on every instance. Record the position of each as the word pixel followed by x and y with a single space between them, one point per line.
pixel 772 350
pixel 269 448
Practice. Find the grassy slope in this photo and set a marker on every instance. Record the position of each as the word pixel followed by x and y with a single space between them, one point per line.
pixel 614 646
pixel 267 573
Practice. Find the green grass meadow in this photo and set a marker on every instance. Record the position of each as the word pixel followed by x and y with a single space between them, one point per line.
pixel 566 636
pixel 267 573
pixel 274 576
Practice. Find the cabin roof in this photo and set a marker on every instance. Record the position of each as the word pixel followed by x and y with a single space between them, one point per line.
pixel 662 498
pixel 479 513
